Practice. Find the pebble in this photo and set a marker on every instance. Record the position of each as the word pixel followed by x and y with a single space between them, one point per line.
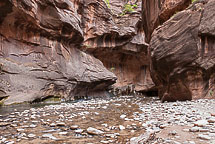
pixel 79 131
pixel 211 120
pixel 3 124
pixel 201 123
pixel 74 127
pixel 104 142
pixel 204 137
pixel 63 133
pixel 194 129
pixel 61 124
pixel 20 129
pixel 172 132
pixel 50 136
pixel 121 127
pixel 31 135
pixel 94 131
pixel 122 116
pixel 52 125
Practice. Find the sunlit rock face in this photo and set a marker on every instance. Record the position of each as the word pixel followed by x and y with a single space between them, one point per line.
pixel 182 52
pixel 39 53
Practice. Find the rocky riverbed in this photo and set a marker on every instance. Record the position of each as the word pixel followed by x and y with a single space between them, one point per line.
pixel 123 120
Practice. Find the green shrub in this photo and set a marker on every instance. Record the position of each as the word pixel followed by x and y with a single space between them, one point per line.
pixel 128 8
pixel 107 3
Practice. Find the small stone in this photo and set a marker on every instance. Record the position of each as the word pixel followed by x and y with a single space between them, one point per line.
pixel 104 142
pixel 52 125
pixel 212 114
pixel 175 142
pixel 105 125
pixel 33 126
pixel 61 124
pixel 211 120
pixel 96 113
pixel 122 116
pixel 201 123
pixel 74 127
pixel 163 126
pixel 204 130
pixel 20 129
pixel 31 135
pixel 94 131
pixel 121 127
pixel 79 131
pixel 49 136
pixel 3 124
pixel 173 133
pixel 10 142
pixel 194 129
pixel 204 137
pixel 63 133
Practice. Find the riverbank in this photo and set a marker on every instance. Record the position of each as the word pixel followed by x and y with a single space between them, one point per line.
pixel 116 120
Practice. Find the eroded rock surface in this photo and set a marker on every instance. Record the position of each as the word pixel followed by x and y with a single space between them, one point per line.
pixel 182 51
pixel 39 56
pixel 116 37
pixel 156 12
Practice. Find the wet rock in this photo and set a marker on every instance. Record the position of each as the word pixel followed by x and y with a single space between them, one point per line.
pixel 79 131
pixel 211 120
pixel 50 136
pixel 63 133
pixel 31 135
pixel 204 137
pixel 122 116
pixel 62 124
pixel 74 127
pixel 3 124
pixel 201 123
pixel 52 124
pixel 194 129
pixel 173 133
pixel 121 127
pixel 94 131
pixel 142 138
pixel 20 129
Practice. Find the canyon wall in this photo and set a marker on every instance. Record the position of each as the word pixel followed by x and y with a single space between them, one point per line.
pixel 82 48
pixel 39 55
pixel 182 53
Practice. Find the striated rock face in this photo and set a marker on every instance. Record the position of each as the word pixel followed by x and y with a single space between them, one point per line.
pixel 156 12
pixel 115 36
pixel 39 55
pixel 60 48
pixel 182 52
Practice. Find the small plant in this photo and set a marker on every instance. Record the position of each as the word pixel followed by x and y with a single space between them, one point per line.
pixel 107 3
pixel 112 69
pixel 210 93
pixel 128 8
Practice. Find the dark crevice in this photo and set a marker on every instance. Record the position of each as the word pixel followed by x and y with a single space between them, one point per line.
pixel 151 93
